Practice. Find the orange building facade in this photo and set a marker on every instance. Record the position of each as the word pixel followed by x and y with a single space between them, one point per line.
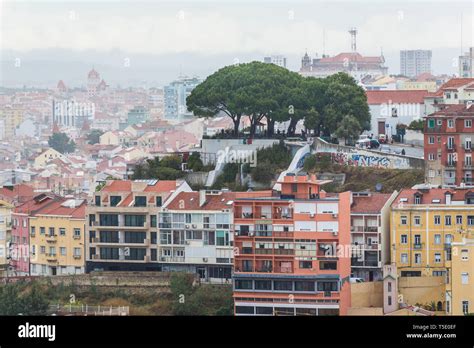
pixel 292 250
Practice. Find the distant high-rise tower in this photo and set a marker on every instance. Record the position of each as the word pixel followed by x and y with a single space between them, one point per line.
pixel 276 59
pixel 415 62
pixel 353 32
pixel 93 80
pixel 466 64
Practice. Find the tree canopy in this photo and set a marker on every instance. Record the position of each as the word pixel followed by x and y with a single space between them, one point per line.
pixel 94 136
pixel 61 143
pixel 266 91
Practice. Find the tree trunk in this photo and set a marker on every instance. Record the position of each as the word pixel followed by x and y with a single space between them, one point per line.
pixel 236 121
pixel 292 127
pixel 270 127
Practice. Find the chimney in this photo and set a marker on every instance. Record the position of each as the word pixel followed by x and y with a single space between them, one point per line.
pixel 202 197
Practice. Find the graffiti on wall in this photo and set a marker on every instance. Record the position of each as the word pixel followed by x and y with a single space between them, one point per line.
pixel 361 160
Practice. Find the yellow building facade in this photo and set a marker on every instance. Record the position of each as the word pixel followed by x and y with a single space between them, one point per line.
pixel 10 118
pixel 460 290
pixel 425 225
pixel 57 238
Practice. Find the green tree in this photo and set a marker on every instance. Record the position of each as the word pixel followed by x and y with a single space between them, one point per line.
pixel 61 143
pixel 417 125
pixel 194 162
pixel 348 129
pixel 94 136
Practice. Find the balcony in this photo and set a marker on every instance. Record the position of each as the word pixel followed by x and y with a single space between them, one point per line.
pixel 417 246
pixel 467 165
pixel 362 229
pixel 172 258
pixel 451 164
pixel 435 129
pixel 51 239
pixel 451 147
pixel 467 148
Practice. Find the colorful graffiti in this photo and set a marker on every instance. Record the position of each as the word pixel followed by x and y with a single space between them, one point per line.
pixel 361 160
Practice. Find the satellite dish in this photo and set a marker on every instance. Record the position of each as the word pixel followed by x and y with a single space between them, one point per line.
pixel 378 187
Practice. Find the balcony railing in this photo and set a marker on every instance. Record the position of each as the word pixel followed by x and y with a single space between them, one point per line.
pixel 467 165
pixel 417 245
pixel 451 164
pixel 451 147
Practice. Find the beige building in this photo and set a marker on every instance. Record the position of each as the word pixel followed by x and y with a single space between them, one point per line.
pixel 57 237
pixel 5 235
pixel 46 156
pixel 122 224
pixel 10 118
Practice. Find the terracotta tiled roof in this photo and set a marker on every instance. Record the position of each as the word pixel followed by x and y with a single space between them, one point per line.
pixel 371 204
pixel 354 57
pixel 118 186
pixel 396 96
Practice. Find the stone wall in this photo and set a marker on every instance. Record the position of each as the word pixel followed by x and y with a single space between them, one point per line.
pixel 346 155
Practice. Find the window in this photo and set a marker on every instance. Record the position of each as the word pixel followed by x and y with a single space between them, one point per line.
pixel 97 201
pixel 417 199
pixel 242 284
pixel 417 239
pixel 154 255
pixel 431 140
pixel 450 142
pixel 62 251
pixel 403 239
pixel 447 220
pixel 109 253
pixel 306 264
pixel 465 307
pixel 468 123
pixel 51 231
pixel 135 237
pixel 222 238
pixel 389 300
pixel 467 143
pixel 294 188
pixel 115 200
pixel 158 201
pixel 52 251
pixel 77 233
pixel 403 220
pixel 464 254
pixel 417 220
pixel 389 286
pixel 153 237
pixel 437 258
pixel 458 219
pixel 327 265
pixel 136 254
pixel 108 219
pixel 33 230
pixel 417 258
pixel 42 231
pixel 437 220
pixel 244 310
pixel 140 201
pixel 431 123
pixel 437 239
pixel 62 231
pixel 135 220
pixel 404 258
pixel 282 285
pixel 450 123
pixel 327 286
pixel 431 156
pixel 109 236
pixel 263 285
pixel 470 220
pixel 304 286
pixel 464 278
pixel 153 220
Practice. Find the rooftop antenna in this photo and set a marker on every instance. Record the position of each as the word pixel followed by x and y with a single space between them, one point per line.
pixel 353 32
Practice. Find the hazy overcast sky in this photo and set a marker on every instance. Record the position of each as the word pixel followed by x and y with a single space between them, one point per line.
pixel 235 28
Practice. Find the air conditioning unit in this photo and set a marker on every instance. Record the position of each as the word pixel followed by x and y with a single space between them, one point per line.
pixel 334 233
pixel 194 226
pixel 204 259
pixel 312 215
pixel 187 226
pixel 251 234
pixel 334 216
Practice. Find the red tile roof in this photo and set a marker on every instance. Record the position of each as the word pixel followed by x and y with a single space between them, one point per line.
pixel 56 207
pixel 353 57
pixel 396 96
pixel 454 110
pixel 371 204
pixel 427 196
pixel 454 84
pixel 191 201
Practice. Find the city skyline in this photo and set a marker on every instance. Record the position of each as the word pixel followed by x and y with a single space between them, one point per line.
pixel 137 45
